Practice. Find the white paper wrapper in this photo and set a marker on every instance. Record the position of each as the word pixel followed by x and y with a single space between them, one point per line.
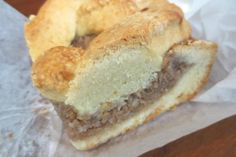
pixel 29 127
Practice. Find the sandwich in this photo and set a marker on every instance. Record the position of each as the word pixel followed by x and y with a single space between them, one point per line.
pixel 137 67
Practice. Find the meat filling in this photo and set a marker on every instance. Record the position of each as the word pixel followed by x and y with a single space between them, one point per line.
pixel 173 69
pixel 83 41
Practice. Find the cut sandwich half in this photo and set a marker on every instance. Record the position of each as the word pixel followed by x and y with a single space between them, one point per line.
pixel 186 71
pixel 129 74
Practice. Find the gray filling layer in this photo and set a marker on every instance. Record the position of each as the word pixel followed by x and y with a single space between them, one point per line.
pixel 173 69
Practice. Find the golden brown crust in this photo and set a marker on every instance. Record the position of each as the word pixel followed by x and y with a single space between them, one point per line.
pixel 95 16
pixel 51 27
pixel 138 30
pixel 142 4
pixel 59 21
pixel 52 71
pixel 157 6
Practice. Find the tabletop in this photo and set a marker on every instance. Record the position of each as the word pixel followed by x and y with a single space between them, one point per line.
pixel 217 140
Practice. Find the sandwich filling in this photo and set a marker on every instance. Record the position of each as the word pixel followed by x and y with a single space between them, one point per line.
pixel 172 69
pixel 83 41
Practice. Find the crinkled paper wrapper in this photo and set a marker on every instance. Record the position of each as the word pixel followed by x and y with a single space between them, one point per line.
pixel 29 126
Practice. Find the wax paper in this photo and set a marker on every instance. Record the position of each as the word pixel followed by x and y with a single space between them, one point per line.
pixel 29 126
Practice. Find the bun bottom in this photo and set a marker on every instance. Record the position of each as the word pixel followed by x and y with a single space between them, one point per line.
pixel 202 55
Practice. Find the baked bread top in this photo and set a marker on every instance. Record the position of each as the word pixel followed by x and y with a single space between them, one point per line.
pixel 58 22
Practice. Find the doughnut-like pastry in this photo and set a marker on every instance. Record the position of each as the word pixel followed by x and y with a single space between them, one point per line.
pixel 132 71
